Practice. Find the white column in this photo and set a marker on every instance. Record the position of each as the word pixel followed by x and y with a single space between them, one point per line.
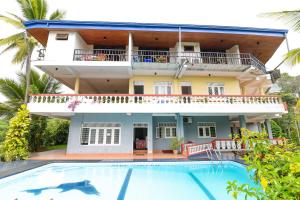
pixel 150 136
pixel 242 120
pixel 77 85
pixel 269 128
pixel 130 45
pixel 259 127
pixel 179 127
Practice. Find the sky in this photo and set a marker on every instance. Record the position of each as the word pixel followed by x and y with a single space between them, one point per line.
pixel 202 12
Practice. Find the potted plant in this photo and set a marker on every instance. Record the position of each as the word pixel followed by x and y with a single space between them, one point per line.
pixel 175 144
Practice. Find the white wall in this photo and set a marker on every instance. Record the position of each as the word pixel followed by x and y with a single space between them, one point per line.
pixel 63 50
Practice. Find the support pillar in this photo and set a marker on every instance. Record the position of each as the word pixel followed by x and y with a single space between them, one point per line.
pixel 269 129
pixel 259 127
pixel 77 85
pixel 150 136
pixel 130 46
pixel 242 120
pixel 179 127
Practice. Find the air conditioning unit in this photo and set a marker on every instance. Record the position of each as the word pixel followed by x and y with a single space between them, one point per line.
pixel 188 120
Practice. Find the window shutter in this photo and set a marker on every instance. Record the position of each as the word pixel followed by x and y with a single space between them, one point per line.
pixel 84 136
pixel 117 136
pixel 93 136
pixel 101 136
pixel 108 136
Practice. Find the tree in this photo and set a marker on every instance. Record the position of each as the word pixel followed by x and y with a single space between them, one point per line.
pixel 15 144
pixel 276 169
pixel 14 90
pixel 276 129
pixel 21 42
pixel 292 19
pixel 56 132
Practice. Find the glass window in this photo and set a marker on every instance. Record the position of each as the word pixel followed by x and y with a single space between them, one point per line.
pixel 108 136
pixel 159 131
pixel 186 90
pixel 116 136
pixel 163 88
pixel 207 129
pixel 216 89
pixel 93 136
pixel 85 136
pixel 170 132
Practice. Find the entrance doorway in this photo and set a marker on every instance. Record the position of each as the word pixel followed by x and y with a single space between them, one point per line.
pixel 140 138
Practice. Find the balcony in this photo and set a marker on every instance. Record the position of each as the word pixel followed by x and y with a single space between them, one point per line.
pixel 164 60
pixel 208 61
pixel 112 55
pixel 68 104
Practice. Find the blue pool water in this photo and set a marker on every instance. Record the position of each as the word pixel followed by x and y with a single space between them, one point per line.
pixel 125 181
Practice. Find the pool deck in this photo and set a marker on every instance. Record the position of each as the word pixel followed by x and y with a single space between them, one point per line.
pixel 61 155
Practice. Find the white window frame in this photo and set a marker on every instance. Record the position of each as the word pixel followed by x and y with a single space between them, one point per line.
pixel 171 131
pixel 104 137
pixel 217 86
pixel 163 87
pixel 157 134
pixel 208 125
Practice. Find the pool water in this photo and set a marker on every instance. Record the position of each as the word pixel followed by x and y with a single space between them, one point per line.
pixel 125 181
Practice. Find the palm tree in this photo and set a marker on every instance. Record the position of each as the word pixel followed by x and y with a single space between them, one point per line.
pixel 14 90
pixel 292 19
pixel 21 42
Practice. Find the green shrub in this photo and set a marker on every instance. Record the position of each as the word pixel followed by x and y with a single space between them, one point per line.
pixel 175 143
pixel 3 130
pixel 276 129
pixel 15 144
pixel 56 132
pixel 37 128
pixel 276 168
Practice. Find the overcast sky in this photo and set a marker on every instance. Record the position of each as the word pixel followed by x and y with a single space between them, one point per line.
pixel 213 12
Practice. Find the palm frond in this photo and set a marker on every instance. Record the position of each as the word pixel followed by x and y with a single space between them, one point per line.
pixel 33 9
pixel 8 48
pixel 11 89
pixel 290 17
pixel 14 22
pixel 293 57
pixel 7 110
pixel 57 15
pixel 12 39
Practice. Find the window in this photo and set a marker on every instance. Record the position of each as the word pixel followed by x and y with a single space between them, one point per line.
pixel 166 130
pixel 216 88
pixel 170 132
pixel 188 48
pixel 206 129
pixel 162 88
pixel 159 132
pixel 62 36
pixel 138 87
pixel 100 135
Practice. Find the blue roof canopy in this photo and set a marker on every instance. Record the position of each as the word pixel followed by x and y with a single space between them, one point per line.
pixel 160 27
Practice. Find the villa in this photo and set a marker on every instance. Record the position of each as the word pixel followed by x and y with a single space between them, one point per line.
pixel 138 85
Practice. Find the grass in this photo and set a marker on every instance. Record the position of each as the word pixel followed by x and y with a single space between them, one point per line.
pixel 56 147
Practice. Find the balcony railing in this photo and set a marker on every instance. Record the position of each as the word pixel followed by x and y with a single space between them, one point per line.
pixel 115 55
pixel 197 58
pixel 153 99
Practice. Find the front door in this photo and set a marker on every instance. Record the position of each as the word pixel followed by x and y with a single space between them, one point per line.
pixel 140 138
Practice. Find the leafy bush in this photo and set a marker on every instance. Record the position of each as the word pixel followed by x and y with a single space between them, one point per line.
pixel 3 130
pixel 175 143
pixel 37 128
pixel 276 129
pixel 276 168
pixel 15 144
pixel 56 132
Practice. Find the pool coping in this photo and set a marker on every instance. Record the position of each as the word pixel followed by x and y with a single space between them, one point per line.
pixel 20 170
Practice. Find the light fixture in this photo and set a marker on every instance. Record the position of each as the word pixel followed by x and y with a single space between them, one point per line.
pixel 257 42
pixel 156 38
pixel 104 38
pixel 107 80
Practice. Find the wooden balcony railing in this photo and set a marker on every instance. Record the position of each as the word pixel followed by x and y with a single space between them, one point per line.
pixel 152 99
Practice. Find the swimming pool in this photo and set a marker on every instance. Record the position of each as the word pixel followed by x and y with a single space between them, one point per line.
pixel 125 181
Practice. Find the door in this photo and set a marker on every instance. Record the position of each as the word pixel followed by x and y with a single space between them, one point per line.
pixel 140 138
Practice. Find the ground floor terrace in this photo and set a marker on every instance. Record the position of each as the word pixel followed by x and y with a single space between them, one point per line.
pixel 133 135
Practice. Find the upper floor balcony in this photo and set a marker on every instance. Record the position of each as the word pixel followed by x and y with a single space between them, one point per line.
pixel 167 60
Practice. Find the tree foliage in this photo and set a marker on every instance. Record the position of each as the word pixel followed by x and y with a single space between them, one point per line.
pixel 276 129
pixel 15 145
pixel 276 168
pixel 56 132
pixel 292 19
pixel 31 10
pixel 14 90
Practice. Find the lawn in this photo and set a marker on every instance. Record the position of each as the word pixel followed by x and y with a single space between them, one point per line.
pixel 56 147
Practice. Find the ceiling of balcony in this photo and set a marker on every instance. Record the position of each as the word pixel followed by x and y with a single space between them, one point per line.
pixel 261 46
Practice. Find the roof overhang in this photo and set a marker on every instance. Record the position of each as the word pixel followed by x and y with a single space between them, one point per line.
pixel 261 42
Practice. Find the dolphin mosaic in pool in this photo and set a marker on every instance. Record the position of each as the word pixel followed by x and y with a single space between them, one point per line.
pixel 84 186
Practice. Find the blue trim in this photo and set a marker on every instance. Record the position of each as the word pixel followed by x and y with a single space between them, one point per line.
pixel 203 188
pixel 127 26
pixel 122 192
